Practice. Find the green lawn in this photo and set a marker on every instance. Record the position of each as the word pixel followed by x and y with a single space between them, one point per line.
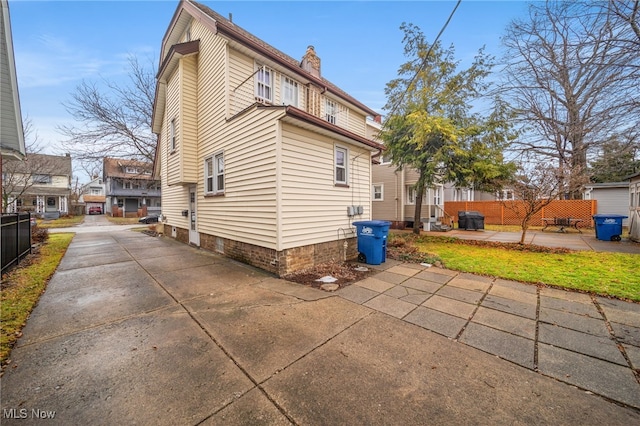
pixel 22 287
pixel 63 222
pixel 612 274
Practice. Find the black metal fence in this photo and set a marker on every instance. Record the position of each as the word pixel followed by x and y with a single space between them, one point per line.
pixel 16 238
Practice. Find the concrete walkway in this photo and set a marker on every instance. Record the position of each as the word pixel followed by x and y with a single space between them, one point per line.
pixel 140 330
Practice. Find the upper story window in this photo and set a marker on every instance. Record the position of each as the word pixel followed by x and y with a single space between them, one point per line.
pixel 41 179
pixel 214 174
pixel 132 170
pixel 331 111
pixel 378 192
pixel 172 135
pixel 289 91
pixel 96 191
pixel 385 158
pixel 341 165
pixel 264 84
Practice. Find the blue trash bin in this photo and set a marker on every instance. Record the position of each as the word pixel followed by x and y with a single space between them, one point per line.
pixel 372 240
pixel 608 226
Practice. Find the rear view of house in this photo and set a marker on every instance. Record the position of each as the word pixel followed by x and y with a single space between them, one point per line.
pixel 261 158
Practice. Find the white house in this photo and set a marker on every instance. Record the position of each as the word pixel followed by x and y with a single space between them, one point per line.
pixel 261 158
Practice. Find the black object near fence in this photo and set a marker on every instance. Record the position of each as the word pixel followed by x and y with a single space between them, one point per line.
pixel 470 220
pixel 16 238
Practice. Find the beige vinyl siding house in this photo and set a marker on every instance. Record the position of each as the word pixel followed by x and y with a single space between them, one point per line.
pixel 259 156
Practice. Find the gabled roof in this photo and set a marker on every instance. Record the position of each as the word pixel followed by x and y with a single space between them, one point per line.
pixel 607 185
pixel 218 24
pixel 11 131
pixel 55 165
pixel 303 116
pixel 117 168
pixel 633 176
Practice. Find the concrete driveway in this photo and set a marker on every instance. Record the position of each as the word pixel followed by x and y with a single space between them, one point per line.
pixel 142 330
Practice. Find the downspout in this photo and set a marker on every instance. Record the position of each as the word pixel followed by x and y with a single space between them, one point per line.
pixel 397 199
pixel 402 194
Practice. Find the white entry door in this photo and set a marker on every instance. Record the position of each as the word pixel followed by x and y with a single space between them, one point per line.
pixel 194 236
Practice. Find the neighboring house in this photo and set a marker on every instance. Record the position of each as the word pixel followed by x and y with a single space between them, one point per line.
pixel 394 196
pixel 634 207
pixel 130 188
pixel 93 195
pixel 40 184
pixel 611 197
pixel 11 131
pixel 261 158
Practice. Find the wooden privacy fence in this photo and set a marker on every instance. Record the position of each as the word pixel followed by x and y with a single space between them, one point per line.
pixel 509 212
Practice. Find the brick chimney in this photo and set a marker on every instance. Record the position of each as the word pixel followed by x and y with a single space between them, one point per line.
pixel 311 62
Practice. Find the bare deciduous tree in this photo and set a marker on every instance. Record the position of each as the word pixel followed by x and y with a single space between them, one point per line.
pixel 572 86
pixel 114 123
pixel 533 190
pixel 18 177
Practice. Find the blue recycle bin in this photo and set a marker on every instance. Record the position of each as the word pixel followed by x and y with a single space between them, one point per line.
pixel 608 226
pixel 372 240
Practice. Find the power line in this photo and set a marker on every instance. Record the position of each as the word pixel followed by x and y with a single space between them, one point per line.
pixel 424 62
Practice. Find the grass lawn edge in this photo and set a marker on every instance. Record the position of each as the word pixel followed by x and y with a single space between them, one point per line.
pixel 22 288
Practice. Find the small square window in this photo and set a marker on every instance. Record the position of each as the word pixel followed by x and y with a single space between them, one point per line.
pixel 378 192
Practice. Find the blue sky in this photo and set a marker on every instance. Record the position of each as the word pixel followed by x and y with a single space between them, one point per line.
pixel 58 44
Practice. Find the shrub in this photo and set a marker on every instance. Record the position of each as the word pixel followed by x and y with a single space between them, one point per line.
pixel 39 235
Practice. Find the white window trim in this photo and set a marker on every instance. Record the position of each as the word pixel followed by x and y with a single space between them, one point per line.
pixel 259 83
pixel 410 188
pixel 438 195
pixel 373 192
pixel 336 149
pixel 213 173
pixel 285 81
pixel 216 173
pixel 384 162
pixel 331 111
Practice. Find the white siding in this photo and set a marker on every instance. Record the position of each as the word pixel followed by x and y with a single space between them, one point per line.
pixel 189 119
pixel 313 208
pixel 173 163
pixel 247 210
pixel 279 190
